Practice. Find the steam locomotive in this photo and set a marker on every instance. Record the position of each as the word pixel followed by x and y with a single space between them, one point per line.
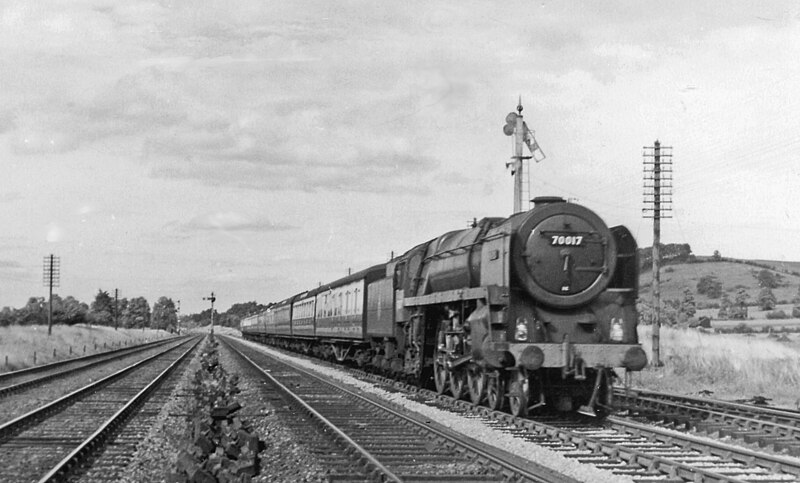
pixel 532 311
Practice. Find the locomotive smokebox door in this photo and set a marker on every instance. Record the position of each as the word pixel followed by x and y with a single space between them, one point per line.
pixel 564 254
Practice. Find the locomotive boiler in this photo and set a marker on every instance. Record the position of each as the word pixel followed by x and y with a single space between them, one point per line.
pixel 534 311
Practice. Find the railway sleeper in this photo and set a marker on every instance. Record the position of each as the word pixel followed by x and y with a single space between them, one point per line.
pixel 709 427
pixel 791 447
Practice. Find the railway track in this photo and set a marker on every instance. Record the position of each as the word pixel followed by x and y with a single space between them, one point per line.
pixel 642 452
pixel 25 392
pixel 361 438
pixel 752 424
pixel 16 381
pixel 49 443
pixel 622 446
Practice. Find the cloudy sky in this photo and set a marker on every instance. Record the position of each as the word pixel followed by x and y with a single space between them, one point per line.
pixel 256 148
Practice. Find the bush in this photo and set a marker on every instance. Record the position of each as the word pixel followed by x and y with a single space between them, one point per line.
pixel 710 287
pixel 777 314
pixel 766 299
pixel 766 279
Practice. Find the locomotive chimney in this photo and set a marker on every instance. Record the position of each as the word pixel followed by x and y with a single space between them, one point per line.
pixel 547 200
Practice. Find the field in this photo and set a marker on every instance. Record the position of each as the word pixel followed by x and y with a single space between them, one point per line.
pixel 732 366
pixel 19 343
pixel 757 320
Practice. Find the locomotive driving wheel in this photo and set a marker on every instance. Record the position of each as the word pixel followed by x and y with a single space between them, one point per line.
pixel 518 392
pixel 476 381
pixel 495 390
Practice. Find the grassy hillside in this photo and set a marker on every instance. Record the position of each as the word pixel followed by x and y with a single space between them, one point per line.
pixel 733 366
pixel 676 278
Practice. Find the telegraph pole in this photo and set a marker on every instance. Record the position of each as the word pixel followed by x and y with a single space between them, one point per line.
pixel 178 316
pixel 212 299
pixel 116 309
pixel 52 275
pixel 516 126
pixel 658 205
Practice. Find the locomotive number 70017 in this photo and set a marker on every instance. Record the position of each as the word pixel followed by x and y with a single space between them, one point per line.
pixel 560 240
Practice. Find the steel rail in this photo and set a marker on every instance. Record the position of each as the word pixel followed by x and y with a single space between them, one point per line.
pixel 89 363
pixel 706 402
pixel 467 443
pixel 58 472
pixel 737 453
pixel 670 467
pixel 19 422
pixel 665 465
pixel 376 465
pixel 745 420
pixel 52 365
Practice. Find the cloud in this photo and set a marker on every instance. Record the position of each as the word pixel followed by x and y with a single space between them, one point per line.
pixel 369 172
pixel 10 197
pixel 232 221
pixel 9 264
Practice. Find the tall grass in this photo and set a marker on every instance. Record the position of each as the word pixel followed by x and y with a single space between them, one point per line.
pixel 732 366
pixel 18 343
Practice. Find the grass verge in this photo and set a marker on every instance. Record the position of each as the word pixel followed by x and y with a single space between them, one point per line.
pixel 733 366
pixel 19 343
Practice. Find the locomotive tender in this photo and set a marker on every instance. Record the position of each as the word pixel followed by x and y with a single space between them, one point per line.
pixel 536 309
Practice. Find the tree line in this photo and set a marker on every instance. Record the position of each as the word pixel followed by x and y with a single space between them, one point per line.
pixel 127 313
pixel 104 310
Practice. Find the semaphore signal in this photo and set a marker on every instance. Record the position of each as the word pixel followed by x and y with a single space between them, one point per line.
pixel 515 126
pixel 213 299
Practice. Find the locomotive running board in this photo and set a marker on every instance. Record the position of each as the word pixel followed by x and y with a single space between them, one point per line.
pixel 493 294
